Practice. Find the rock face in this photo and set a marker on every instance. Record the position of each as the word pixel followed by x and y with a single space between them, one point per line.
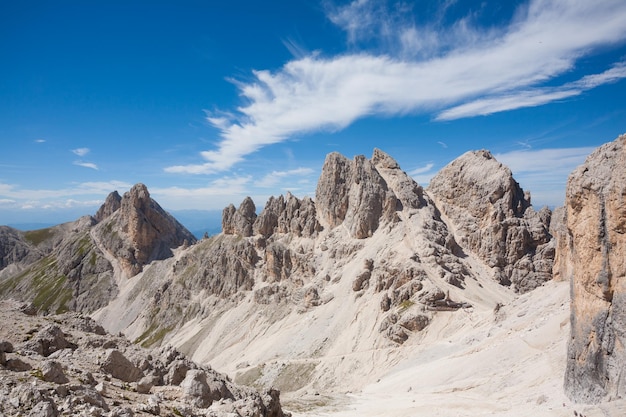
pixel 288 215
pixel 86 378
pixel 140 231
pixel 595 248
pixel 370 263
pixel 354 194
pixel 494 219
pixel 239 221
pixel 68 267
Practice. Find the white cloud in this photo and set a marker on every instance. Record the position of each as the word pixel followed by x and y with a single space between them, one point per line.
pixel 86 164
pixel 276 177
pixel 535 97
pixel 421 170
pixel 14 192
pixel 423 175
pixel 40 140
pixel 471 72
pixel 80 151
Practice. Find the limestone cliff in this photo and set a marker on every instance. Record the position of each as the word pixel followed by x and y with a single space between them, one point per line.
pixel 494 219
pixel 595 250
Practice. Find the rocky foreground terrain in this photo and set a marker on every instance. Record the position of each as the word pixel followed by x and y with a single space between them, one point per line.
pixel 67 365
pixel 378 296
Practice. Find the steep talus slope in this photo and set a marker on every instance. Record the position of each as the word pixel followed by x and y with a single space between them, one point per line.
pixel 493 218
pixel 313 294
pixel 70 273
pixel 15 248
pixel 594 257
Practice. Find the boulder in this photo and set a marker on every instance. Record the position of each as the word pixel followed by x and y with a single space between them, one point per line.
pixel 118 366
pixel 52 371
pixel 48 340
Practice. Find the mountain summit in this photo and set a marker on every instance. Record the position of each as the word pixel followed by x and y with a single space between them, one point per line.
pixel 136 230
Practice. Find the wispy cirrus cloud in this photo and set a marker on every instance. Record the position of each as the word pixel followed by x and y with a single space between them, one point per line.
pixel 43 197
pixel 80 151
pixel 86 165
pixel 276 177
pixel 534 97
pixel 459 70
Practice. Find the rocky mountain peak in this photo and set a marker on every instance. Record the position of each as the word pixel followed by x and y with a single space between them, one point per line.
pixel 138 196
pixel 110 206
pixel 592 258
pixel 383 160
pixel 494 219
pixel 140 231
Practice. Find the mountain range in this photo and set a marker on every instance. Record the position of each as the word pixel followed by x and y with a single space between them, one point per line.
pixel 377 297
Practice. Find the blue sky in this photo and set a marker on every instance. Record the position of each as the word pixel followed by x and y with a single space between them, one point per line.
pixel 207 103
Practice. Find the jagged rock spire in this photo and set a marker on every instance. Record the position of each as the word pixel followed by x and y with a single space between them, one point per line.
pixel 110 206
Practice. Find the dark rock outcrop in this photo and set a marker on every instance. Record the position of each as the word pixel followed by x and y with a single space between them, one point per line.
pixel 494 219
pixel 594 261
pixel 14 248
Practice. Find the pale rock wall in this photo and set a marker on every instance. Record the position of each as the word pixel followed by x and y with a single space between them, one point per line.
pixel 595 253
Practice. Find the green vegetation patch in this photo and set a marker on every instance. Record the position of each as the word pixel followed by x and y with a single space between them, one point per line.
pixel 153 335
pixel 405 305
pixel 37 236
pixel 53 292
